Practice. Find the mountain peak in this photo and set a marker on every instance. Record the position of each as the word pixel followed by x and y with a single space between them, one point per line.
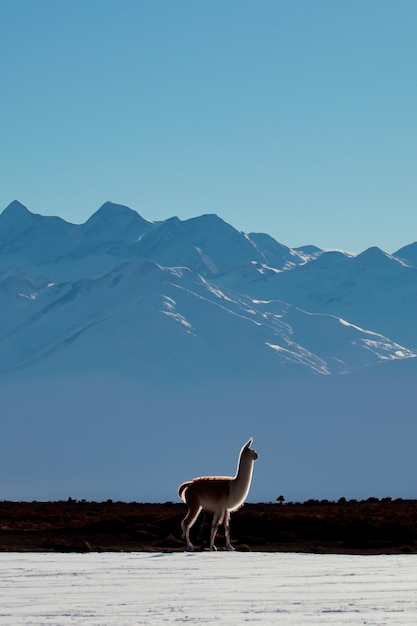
pixel 16 210
pixel 112 208
pixel 16 219
pixel 375 256
pixel 372 252
pixel 112 211
pixel 110 214
pixel 209 222
pixel 115 222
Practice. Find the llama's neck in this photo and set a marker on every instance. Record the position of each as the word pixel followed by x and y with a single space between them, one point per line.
pixel 243 476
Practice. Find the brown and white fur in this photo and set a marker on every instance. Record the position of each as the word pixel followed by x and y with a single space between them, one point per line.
pixel 220 495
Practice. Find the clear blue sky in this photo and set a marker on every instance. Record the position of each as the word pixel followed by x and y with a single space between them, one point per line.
pixel 292 117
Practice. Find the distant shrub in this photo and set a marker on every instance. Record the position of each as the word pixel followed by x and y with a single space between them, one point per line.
pixel 342 500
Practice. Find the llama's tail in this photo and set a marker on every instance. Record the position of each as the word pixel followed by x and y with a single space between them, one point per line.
pixel 182 488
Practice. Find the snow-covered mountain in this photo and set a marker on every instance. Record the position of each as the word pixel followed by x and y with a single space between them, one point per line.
pixel 373 290
pixel 131 334
pixel 193 298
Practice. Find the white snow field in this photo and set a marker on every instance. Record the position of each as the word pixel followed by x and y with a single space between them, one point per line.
pixel 206 588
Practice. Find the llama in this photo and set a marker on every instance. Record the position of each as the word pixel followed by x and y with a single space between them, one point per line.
pixel 220 495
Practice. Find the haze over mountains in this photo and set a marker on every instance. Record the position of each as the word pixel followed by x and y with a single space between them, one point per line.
pixel 122 313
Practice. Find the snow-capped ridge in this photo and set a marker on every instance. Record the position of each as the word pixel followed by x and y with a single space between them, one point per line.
pixel 331 258
pixel 275 254
pixel 408 254
pixel 206 243
pixel 375 259
pixel 374 254
pixel 308 250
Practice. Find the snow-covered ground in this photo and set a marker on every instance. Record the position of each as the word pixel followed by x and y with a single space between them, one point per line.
pixel 207 588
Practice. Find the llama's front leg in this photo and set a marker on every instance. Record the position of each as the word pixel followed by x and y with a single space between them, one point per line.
pixel 227 530
pixel 217 520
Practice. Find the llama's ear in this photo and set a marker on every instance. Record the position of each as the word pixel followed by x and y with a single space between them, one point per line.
pixel 250 442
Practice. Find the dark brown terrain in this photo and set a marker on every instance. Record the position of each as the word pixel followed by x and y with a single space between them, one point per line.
pixel 366 527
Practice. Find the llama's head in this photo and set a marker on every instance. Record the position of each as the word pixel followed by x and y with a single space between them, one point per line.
pixel 250 452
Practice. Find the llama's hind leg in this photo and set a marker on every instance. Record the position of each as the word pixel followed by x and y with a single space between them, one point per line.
pixel 227 530
pixel 187 522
